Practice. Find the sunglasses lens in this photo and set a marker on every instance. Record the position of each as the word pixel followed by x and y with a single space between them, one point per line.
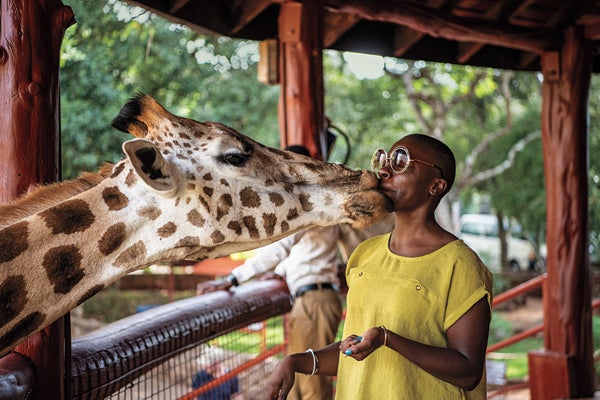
pixel 378 159
pixel 399 159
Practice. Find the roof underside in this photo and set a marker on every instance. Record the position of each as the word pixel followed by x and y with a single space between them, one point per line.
pixel 508 34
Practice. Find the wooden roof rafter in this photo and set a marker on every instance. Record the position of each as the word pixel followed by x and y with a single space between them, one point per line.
pixel 439 24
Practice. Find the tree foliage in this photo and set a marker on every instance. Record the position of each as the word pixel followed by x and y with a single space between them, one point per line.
pixel 115 51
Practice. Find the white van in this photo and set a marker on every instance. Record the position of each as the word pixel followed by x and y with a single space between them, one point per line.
pixel 480 232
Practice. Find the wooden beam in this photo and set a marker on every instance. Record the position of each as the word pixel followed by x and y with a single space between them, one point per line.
pixel 30 41
pixel 444 25
pixel 491 11
pixel 301 99
pixel 567 293
pixel 244 14
pixel 336 25
pixel 526 60
pixel 466 51
pixel 404 39
pixel 176 5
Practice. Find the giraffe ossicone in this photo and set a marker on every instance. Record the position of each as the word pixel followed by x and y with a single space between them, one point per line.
pixel 185 190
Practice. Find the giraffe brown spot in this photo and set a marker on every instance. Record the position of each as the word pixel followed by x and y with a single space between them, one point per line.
pixel 13 241
pixel 177 201
pixel 269 182
pixel 188 200
pixel 249 198
pixel 235 226
pixel 284 226
pixel 112 238
pixel 208 191
pixel 196 218
pixel 114 199
pixel 150 212
pixel 224 182
pixel 188 241
pixel 184 136
pixel 223 205
pixel 90 293
pixel 24 327
pixel 269 221
pixel 305 201
pixel 207 176
pixel 204 203
pixel 70 217
pixel 191 186
pixel 250 224
pixel 63 267
pixel 167 230
pixel 131 178
pixel 276 198
pixel 13 297
pixel 292 214
pixel 288 187
pixel 118 169
pixel 132 256
pixel 217 237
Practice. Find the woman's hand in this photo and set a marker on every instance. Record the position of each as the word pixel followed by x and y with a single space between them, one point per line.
pixel 359 347
pixel 282 379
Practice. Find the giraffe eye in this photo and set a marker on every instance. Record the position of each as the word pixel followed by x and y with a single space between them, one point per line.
pixel 234 159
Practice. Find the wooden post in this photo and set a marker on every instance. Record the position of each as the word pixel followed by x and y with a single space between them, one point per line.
pixel 567 293
pixel 301 109
pixel 31 34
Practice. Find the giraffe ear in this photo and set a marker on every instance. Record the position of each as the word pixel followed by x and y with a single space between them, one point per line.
pixel 151 167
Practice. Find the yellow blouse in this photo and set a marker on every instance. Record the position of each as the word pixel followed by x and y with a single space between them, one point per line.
pixel 416 297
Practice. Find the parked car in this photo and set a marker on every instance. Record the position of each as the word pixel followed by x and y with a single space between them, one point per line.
pixel 480 232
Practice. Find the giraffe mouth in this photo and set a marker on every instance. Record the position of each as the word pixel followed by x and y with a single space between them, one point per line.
pixel 367 208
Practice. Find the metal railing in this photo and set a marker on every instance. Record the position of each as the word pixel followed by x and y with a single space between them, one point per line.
pixel 519 290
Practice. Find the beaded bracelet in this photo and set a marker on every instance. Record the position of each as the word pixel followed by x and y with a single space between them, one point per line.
pixel 315 362
pixel 385 335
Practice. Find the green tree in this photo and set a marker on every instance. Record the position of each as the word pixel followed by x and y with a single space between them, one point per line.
pixel 115 51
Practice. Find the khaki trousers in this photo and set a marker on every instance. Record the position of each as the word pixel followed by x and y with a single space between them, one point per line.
pixel 313 324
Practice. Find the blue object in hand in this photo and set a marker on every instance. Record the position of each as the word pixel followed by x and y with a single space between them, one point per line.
pixel 348 352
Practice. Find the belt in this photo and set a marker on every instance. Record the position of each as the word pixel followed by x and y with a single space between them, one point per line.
pixel 315 286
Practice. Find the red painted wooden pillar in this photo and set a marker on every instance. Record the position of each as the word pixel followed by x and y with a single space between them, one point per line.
pixel 31 34
pixel 565 368
pixel 301 97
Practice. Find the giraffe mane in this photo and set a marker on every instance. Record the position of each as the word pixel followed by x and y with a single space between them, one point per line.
pixel 45 196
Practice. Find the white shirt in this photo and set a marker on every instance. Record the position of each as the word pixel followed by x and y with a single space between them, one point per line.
pixel 307 257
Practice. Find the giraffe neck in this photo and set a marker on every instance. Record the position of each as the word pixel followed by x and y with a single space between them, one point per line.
pixel 65 254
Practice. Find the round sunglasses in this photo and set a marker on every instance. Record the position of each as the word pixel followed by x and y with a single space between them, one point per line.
pixel 399 160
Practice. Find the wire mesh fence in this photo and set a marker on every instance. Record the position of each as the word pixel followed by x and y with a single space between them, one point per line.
pixel 234 366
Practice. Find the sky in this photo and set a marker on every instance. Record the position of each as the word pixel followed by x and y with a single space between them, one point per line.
pixel 364 66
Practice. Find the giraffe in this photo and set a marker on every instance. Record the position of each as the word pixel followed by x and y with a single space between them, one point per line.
pixel 185 190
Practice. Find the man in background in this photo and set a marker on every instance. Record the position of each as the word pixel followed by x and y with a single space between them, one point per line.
pixel 308 261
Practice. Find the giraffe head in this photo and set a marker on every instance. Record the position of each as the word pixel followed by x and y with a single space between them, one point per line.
pixel 241 194
pixel 185 190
